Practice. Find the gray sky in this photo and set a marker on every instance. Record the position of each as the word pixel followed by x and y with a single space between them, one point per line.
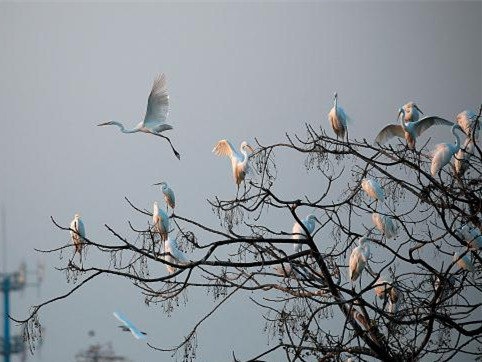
pixel 235 71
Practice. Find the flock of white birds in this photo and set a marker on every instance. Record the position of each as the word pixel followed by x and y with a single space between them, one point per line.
pixel 411 126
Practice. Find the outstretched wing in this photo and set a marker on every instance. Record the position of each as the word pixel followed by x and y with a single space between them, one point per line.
pixel 158 103
pixel 135 332
pixel 226 148
pixel 427 122
pixel 390 131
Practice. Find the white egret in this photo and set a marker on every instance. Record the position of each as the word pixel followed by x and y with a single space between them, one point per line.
pixel 412 112
pixel 239 160
pixel 358 258
pixel 394 300
pixel 411 130
pixel 77 234
pixel 169 196
pixel 373 189
pixel 156 114
pixel 174 255
pixel 299 233
pixel 444 152
pixel 471 236
pixel 161 222
pixel 463 262
pixel 384 224
pixel 129 327
pixel 462 157
pixel 338 118
pixel 467 121
pixel 382 287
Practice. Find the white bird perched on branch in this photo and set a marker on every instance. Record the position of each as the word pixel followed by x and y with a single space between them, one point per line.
pixel 412 112
pixel 382 287
pixel 463 262
pixel 77 234
pixel 169 196
pixel 299 233
pixel 239 160
pixel 384 224
pixel 373 189
pixel 467 121
pixel 462 157
pixel 156 114
pixel 471 236
pixel 129 327
pixel 358 258
pixel 174 255
pixel 444 152
pixel 161 221
pixel 411 130
pixel 338 118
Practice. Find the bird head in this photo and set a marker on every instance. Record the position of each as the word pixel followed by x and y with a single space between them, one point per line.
pixel 401 111
pixel 335 95
pixel 162 184
pixel 246 145
pixel 108 123
pixel 314 218
pixel 77 216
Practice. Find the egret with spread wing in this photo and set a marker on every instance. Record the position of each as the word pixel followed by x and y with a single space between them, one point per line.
pixel 299 232
pixel 129 327
pixel 156 114
pixel 411 130
pixel 239 160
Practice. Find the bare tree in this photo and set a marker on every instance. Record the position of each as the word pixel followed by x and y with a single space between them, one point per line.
pixel 412 301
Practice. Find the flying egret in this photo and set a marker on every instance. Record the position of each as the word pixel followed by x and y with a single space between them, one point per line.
pixel 462 157
pixel 411 130
pixel 156 114
pixel 169 196
pixel 384 224
pixel 161 222
pixel 338 118
pixel 129 327
pixel 373 189
pixel 299 233
pixel 467 121
pixel 239 160
pixel 412 112
pixel 382 287
pixel 174 255
pixel 471 236
pixel 444 152
pixel 463 262
pixel 77 234
pixel 358 258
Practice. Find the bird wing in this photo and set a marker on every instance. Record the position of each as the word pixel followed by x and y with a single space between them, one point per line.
pixel 158 103
pixel 389 132
pixel 170 196
pixel 173 249
pixel 135 332
pixel 81 228
pixel 427 122
pixel 226 148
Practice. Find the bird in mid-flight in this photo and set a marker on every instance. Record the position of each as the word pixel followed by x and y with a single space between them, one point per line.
pixel 156 114
pixel 129 327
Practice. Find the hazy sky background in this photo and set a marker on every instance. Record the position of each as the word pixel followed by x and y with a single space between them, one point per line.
pixel 235 71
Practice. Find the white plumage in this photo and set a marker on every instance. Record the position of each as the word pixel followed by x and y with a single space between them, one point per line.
pixel 128 326
pixel 409 130
pixel 299 233
pixel 358 258
pixel 77 233
pixel 412 112
pixel 471 236
pixel 462 157
pixel 373 189
pixel 463 262
pixel 467 121
pixel 174 255
pixel 160 221
pixel 168 193
pixel 156 113
pixel 382 286
pixel 239 160
pixel 444 152
pixel 384 224
pixel 338 118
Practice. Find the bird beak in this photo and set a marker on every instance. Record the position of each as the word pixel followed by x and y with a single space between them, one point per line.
pixel 418 109
pixel 157 184
pixel 103 124
pixel 250 148
pixel 318 221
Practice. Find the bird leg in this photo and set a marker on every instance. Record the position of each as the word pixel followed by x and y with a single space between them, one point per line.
pixel 177 154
